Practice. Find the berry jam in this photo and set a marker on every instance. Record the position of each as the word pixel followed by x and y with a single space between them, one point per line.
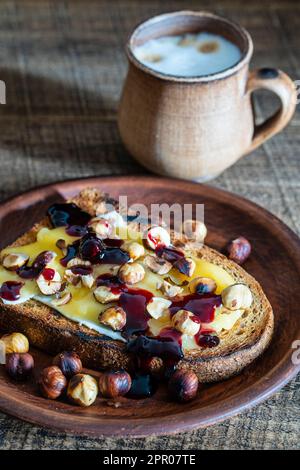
pixel 169 254
pixel 167 346
pixel 113 242
pixel 202 306
pixel 134 302
pixel 109 281
pixel 91 248
pixel 10 290
pixel 33 271
pixel 76 231
pixel 48 274
pixel 72 252
pixel 114 256
pixel 66 215
pixel 143 386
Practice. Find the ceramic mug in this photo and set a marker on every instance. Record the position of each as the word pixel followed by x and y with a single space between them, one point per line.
pixel 196 127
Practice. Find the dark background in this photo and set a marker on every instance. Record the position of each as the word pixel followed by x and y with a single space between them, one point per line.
pixel 63 63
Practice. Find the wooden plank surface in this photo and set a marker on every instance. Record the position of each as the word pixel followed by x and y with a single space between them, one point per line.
pixel 63 64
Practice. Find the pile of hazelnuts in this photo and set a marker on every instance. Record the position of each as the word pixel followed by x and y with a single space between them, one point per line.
pixel 65 377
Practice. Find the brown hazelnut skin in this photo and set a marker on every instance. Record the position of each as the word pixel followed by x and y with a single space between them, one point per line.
pixel 114 384
pixel 69 363
pixel 52 382
pixel 19 365
pixel 183 385
pixel 238 250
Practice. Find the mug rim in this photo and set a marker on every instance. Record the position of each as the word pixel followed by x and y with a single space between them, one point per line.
pixel 245 57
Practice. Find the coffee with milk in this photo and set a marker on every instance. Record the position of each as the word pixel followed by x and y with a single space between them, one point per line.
pixel 188 55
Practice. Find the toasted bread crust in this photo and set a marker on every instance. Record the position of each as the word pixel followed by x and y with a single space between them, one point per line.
pixel 50 331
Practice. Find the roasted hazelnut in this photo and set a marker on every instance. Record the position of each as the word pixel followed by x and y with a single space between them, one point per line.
pixel 184 321
pixel 114 384
pixel 157 305
pixel 168 289
pixel 236 297
pixel 202 285
pixel 15 343
pixel 238 250
pixel 14 261
pixel 69 363
pixel 82 390
pixel 186 266
pixel 156 236
pixel 19 366
pixel 183 385
pixel 194 229
pixel 131 273
pixel 134 249
pixel 49 281
pixel 78 262
pixel 102 227
pixel 62 299
pixel 52 382
pixel 157 265
pixel 115 317
pixel 104 295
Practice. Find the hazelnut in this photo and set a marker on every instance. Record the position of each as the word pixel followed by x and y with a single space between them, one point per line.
pixel 88 280
pixel 156 236
pixel 115 317
pixel 63 299
pixel 78 262
pixel 157 305
pixel 194 229
pixel 82 390
pixel 19 366
pixel 202 285
pixel 69 363
pixel 170 290
pixel 134 249
pixel 15 343
pixel 49 281
pixel 52 382
pixel 238 296
pixel 62 245
pixel 101 227
pixel 184 322
pixel 183 385
pixel 186 266
pixel 157 265
pixel 131 273
pixel 114 384
pixel 104 295
pixel 14 261
pixel 238 250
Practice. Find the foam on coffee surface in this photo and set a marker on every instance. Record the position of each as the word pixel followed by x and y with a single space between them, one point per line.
pixel 188 55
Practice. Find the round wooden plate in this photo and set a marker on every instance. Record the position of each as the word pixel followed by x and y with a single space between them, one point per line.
pixel 275 263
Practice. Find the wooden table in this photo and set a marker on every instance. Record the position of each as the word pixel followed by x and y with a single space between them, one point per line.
pixel 63 65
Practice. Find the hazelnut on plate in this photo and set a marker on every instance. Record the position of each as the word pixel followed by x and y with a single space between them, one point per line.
pixel 52 382
pixel 49 281
pixel 156 236
pixel 183 385
pixel 69 363
pixel 15 343
pixel 157 265
pixel 131 273
pixel 82 390
pixel 184 322
pixel 101 227
pixel 114 384
pixel 157 305
pixel 19 366
pixel 236 297
pixel 115 317
pixel 168 289
pixel 194 229
pixel 62 299
pixel 104 295
pixel 186 266
pixel 134 249
pixel 14 261
pixel 239 250
pixel 202 285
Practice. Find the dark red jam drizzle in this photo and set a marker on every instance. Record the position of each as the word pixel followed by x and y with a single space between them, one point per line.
pixel 202 306
pixel 134 302
pixel 206 339
pixel 48 274
pixel 10 290
pixel 39 264
pixel 143 386
pixel 168 253
pixel 67 215
pixel 76 231
pixel 81 270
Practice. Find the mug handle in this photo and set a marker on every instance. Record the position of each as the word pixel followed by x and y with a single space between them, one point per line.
pixel 279 83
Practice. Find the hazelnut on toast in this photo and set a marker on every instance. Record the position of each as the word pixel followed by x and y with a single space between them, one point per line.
pixel 221 347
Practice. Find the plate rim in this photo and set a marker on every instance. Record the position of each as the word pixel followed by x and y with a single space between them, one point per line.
pixel 193 419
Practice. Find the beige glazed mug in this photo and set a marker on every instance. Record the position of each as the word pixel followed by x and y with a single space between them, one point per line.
pixel 196 127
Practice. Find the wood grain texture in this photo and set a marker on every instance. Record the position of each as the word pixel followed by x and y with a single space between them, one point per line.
pixel 64 65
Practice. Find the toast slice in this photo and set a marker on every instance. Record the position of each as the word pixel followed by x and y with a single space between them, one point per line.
pixel 50 331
